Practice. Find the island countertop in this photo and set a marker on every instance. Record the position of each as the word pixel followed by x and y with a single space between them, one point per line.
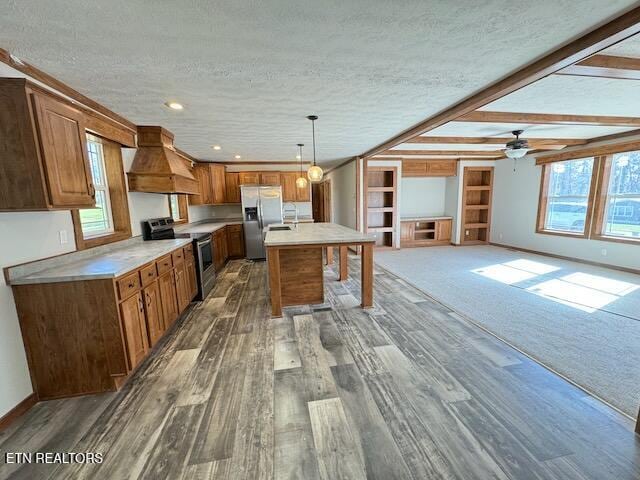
pixel 316 234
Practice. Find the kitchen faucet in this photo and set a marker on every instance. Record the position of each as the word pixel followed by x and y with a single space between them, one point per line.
pixel 295 209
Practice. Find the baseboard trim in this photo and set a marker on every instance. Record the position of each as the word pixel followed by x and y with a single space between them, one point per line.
pixel 572 259
pixel 18 411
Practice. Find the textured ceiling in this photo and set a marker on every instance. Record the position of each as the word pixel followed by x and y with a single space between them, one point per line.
pixel 249 72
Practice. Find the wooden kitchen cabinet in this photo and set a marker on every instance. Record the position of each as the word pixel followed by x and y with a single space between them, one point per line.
pixel 235 241
pixel 289 189
pixel 425 232
pixel 270 178
pixel 168 297
pixel 303 194
pixel 218 183
pixel 429 168
pixel 249 178
pixel 135 331
pixel 202 173
pixel 153 312
pixel 232 187
pixel 107 326
pixel 220 249
pixel 45 162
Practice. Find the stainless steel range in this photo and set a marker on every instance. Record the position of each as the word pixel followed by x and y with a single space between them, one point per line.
pixel 162 228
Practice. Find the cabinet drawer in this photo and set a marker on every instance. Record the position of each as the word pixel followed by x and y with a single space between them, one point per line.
pixel 148 274
pixel 164 264
pixel 234 228
pixel 177 256
pixel 128 285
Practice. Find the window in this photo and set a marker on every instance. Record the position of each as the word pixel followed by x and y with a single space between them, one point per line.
pixel 109 221
pixel 622 203
pixel 567 189
pixel 97 221
pixel 178 208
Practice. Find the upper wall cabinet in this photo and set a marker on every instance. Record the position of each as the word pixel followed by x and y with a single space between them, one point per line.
pixel 45 162
pixel 429 168
pixel 212 184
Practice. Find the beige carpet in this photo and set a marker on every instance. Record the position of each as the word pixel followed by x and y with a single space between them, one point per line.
pixel 580 320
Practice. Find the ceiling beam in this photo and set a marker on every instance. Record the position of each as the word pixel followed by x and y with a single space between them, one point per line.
pixel 548 119
pixel 542 142
pixel 605 66
pixel 602 37
pixel 444 153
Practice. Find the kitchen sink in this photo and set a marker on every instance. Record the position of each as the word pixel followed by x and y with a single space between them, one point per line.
pixel 284 227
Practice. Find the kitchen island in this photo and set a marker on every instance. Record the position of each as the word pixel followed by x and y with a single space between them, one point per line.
pixel 295 265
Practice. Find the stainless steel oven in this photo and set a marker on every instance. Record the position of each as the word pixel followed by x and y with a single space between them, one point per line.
pixel 206 270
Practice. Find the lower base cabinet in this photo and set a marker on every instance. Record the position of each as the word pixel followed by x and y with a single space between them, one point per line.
pixel 87 336
pixel 425 232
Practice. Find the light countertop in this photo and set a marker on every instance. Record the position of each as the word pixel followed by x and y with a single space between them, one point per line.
pixel 316 233
pixel 120 258
pixel 207 226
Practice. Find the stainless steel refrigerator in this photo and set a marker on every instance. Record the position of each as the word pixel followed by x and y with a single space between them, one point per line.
pixel 261 206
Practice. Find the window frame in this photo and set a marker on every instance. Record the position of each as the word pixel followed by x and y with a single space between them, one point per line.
pixel 117 196
pixel 601 198
pixel 547 168
pixel 182 206
pixel 91 140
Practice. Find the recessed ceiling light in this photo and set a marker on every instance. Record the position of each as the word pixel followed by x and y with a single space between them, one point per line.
pixel 238 157
pixel 217 147
pixel 174 105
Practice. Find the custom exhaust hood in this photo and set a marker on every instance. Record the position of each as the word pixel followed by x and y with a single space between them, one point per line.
pixel 157 168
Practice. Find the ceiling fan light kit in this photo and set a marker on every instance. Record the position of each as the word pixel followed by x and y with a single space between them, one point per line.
pixel 518 147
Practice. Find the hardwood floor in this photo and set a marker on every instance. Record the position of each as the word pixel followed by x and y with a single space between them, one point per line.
pixel 407 389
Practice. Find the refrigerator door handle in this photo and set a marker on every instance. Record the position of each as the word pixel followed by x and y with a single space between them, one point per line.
pixel 260 219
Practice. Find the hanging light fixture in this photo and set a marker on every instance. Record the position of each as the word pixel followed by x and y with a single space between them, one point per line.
pixel 315 172
pixel 301 181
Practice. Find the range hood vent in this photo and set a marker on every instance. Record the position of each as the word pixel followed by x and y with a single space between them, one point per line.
pixel 157 168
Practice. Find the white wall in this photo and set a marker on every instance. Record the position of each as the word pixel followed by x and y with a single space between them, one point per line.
pixel 451 204
pixel 343 195
pixel 26 236
pixel 422 197
pixel 514 214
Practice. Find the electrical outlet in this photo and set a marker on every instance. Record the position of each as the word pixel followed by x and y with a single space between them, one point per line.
pixel 603 252
pixel 62 234
pixel 466 232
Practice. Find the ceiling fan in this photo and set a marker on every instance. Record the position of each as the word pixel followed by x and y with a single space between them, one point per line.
pixel 518 147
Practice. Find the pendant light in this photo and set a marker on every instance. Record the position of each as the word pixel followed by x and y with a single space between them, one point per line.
pixel 315 172
pixel 301 181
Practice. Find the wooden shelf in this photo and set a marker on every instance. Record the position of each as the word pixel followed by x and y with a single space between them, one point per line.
pixel 380 209
pixel 477 207
pixel 425 230
pixel 477 188
pixel 476 225
pixel 379 229
pixel 381 189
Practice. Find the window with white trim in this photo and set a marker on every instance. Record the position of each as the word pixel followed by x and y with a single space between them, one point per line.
pixel 98 221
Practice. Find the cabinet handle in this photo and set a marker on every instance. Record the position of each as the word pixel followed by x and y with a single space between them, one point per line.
pixel 148 299
pixel 92 190
pixel 140 304
pixel 131 285
pixel 150 274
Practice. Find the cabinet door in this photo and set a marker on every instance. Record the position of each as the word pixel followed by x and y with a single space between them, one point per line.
pixel 203 176
pixel 168 298
pixel 407 231
pixel 414 168
pixel 303 194
pixel 218 183
pixel 192 281
pixel 441 168
pixel 443 229
pixel 249 178
pixel 64 148
pixel 182 287
pixel 270 178
pixel 235 241
pixel 289 189
pixel 232 180
pixel 132 314
pixel 153 312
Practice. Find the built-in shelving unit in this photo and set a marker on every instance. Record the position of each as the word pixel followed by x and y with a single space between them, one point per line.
pixel 425 232
pixel 381 203
pixel 477 188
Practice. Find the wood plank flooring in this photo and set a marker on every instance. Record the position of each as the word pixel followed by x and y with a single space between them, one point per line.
pixel 405 390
